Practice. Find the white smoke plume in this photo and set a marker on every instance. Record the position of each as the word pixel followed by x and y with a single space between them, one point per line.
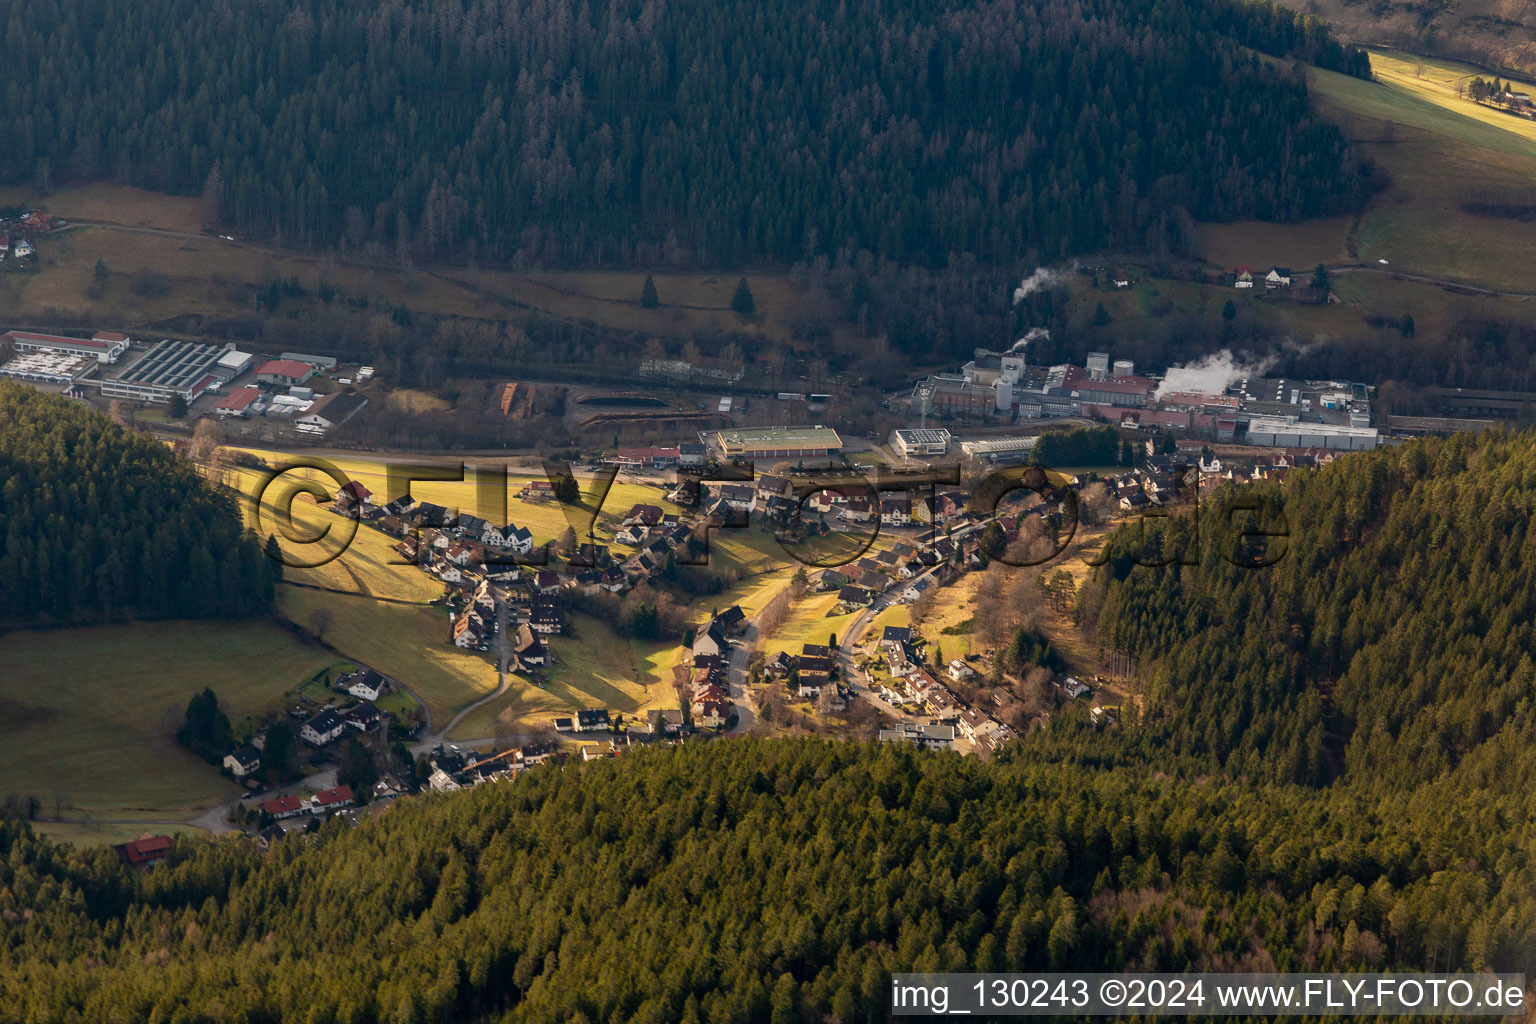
pixel 1211 375
pixel 1034 334
pixel 1043 277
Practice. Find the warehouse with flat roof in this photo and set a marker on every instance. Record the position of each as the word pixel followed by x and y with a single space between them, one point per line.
pixel 103 346
pixel 48 367
pixel 169 368
pixel 1000 449
pixel 774 442
pixel 919 441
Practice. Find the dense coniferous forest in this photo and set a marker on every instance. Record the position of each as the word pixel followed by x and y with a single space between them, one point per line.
pixel 1382 664
pixel 1392 637
pixel 685 132
pixel 98 524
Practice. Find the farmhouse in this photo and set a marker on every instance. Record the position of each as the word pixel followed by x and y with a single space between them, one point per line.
pixel 145 850
pixel 1244 277
pixel 1278 277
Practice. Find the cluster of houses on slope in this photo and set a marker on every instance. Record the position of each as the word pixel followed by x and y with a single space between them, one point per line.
pixel 453 769
pixel 904 654
pixel 811 674
pixel 774 499
pixel 709 700
pixel 359 717
pixel 293 805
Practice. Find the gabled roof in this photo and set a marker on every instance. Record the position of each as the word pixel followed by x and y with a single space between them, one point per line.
pixel 285 368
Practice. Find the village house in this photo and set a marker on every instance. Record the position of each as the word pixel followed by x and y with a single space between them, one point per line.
pixel 364 683
pixel 733 619
pixel 853 596
pixel 325 727
pixel 1244 277
pixel 959 671
pixel 331 799
pixel 770 486
pixel 469 631
pixel 145 850
pixel 711 641
pixel 364 716
pixel 283 807
pixel 242 761
pixel 916 589
pixel 546 618
pixel 592 720
pixel 737 497
pixel 711 706
pixel 895 511
pixel 529 649
pixel 932 737
pixel 1278 277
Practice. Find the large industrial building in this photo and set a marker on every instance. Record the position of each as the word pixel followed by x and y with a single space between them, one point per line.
pixel 1000 449
pixel 103 346
pixel 48 367
pixel 922 441
pixel 1286 433
pixel 774 442
pixel 171 368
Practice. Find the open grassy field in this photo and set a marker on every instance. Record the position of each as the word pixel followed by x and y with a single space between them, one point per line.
pixel 1440 152
pixel 810 621
pixel 594 667
pixel 166 234
pixel 88 716
pixel 107 833
pixel 1443 82
pixel 406 642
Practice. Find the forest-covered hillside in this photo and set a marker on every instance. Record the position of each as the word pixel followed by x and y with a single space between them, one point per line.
pixel 1394 636
pixel 783 880
pixel 684 131
pixel 100 524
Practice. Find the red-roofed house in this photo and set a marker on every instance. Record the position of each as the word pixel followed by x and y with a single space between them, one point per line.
pixel 329 799
pixel 145 850
pixel 283 807
pixel 284 371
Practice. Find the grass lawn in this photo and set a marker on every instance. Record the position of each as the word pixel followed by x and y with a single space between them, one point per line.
pixel 1437 81
pixel 405 642
pixel 90 715
pixel 810 621
pixel 1440 152
pixel 106 833
pixel 952 606
pixel 594 667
